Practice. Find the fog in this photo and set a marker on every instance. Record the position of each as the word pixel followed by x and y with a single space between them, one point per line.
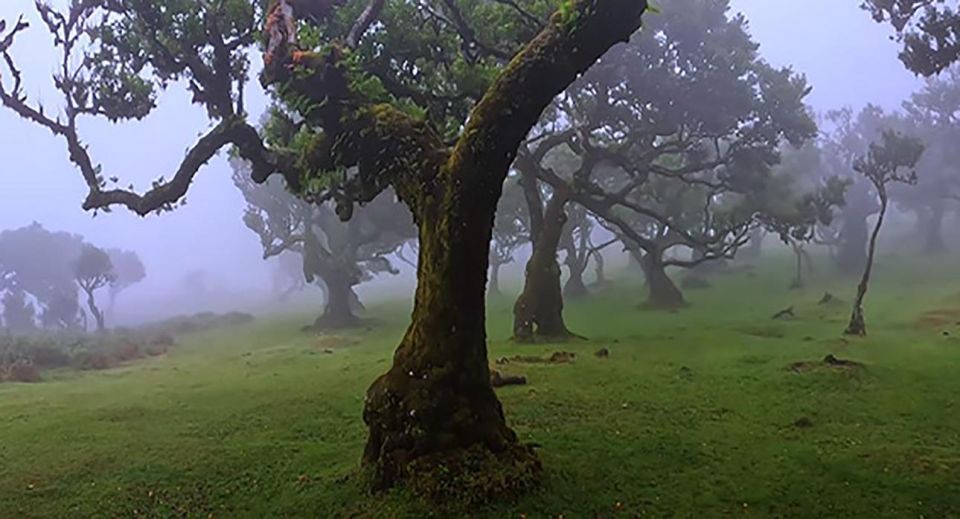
pixel 848 59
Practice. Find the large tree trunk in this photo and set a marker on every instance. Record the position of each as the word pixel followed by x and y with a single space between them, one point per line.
pixel 575 287
pixel 663 293
pixel 434 415
pixel 858 325
pixel 338 312
pixel 538 312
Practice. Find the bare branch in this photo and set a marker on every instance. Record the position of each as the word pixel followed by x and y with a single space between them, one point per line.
pixel 363 23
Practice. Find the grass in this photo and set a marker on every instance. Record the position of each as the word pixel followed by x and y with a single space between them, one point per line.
pixel 693 414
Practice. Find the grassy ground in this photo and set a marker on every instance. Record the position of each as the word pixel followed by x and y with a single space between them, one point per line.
pixel 693 414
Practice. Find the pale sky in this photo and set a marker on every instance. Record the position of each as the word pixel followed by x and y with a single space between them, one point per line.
pixel 848 59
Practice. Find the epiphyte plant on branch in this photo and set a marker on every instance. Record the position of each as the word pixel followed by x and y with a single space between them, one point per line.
pixel 369 120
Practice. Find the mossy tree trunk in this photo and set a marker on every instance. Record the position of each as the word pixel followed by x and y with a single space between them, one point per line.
pixel 436 402
pixel 434 420
pixel 538 311
pixel 663 293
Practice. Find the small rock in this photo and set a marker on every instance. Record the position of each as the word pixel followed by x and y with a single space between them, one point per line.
pixel 602 353
pixel 803 423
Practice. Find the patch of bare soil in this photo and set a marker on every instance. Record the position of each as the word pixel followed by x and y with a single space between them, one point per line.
pixel 939 318
pixel 328 343
pixel 560 357
pixel 828 362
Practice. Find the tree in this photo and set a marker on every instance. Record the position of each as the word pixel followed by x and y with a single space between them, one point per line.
pixel 847 136
pixel 669 134
pixel 93 271
pixel 928 29
pixel 40 263
pixel 798 202
pixel 18 312
pixel 128 270
pixel 370 120
pixel 510 230
pixel 538 311
pixel 883 164
pixel 932 116
pixel 340 255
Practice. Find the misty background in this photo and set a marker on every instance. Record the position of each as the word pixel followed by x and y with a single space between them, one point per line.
pixel 848 59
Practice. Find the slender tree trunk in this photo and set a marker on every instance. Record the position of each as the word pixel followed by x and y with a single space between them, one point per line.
pixel 435 413
pixel 663 292
pixel 930 221
pixel 798 281
pixel 338 312
pixel 599 270
pixel 97 313
pixel 494 288
pixel 858 325
pixel 538 312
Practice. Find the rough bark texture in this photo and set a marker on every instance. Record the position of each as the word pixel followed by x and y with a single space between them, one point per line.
pixel 663 292
pixel 538 312
pixel 436 407
pixel 858 324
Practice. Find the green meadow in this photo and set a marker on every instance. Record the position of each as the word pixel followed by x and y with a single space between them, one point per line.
pixel 699 413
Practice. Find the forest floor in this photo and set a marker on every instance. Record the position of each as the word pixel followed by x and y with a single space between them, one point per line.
pixel 697 413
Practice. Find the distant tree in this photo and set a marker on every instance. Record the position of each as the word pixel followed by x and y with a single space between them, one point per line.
pixel 578 248
pixel 889 160
pixel 669 134
pixel 510 230
pixel 338 254
pixel 40 263
pixel 933 115
pixel 538 311
pixel 93 271
pixel 288 275
pixel 128 270
pixel 798 202
pixel 928 29
pixel 847 135
pixel 18 313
